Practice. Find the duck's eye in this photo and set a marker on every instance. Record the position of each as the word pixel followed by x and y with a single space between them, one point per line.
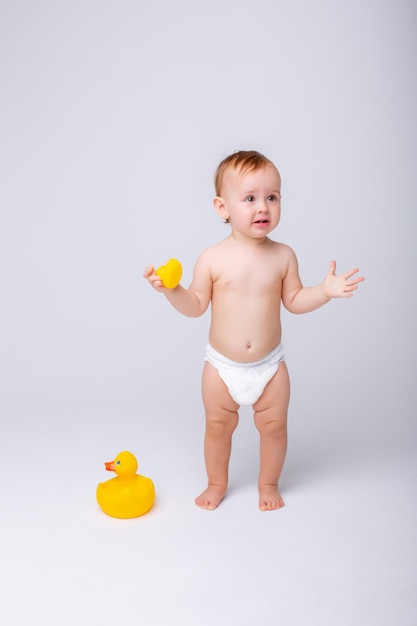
pixel 117 462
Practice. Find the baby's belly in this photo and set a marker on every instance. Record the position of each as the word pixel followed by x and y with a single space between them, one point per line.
pixel 243 344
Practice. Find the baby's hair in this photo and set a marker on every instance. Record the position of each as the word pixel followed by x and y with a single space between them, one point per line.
pixel 242 160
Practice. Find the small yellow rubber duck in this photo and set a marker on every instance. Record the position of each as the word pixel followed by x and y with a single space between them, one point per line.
pixel 170 273
pixel 128 494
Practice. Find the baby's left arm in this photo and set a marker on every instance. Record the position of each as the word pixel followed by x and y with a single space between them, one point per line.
pixel 299 299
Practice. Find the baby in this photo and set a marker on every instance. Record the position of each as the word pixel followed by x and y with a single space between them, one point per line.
pixel 245 277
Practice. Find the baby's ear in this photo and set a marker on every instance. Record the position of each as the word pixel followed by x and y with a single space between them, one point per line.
pixel 220 207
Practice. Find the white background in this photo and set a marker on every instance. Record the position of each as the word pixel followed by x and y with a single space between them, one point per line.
pixel 113 118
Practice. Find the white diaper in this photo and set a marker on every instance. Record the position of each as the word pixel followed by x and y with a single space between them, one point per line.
pixel 245 381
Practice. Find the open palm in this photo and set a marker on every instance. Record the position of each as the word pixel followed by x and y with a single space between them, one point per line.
pixel 341 286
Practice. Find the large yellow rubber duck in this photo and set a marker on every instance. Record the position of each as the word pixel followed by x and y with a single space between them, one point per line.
pixel 128 494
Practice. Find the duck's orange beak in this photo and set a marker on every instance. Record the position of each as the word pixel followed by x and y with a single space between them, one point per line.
pixel 109 466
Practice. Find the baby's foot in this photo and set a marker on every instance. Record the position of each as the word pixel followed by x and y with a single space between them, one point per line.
pixel 211 497
pixel 269 498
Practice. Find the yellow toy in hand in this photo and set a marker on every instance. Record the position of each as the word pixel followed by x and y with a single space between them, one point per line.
pixel 129 494
pixel 170 273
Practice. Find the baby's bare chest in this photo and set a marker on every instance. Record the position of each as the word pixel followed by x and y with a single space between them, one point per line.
pixel 249 271
pixel 250 280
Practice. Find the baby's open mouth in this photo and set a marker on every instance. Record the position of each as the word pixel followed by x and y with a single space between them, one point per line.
pixel 261 221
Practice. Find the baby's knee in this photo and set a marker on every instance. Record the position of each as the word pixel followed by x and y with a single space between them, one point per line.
pixel 223 422
pixel 273 426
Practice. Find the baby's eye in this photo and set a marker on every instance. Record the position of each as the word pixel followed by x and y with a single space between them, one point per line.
pixel 249 199
pixel 272 198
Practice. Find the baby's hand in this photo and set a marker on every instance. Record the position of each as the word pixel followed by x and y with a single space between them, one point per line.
pixel 153 279
pixel 341 286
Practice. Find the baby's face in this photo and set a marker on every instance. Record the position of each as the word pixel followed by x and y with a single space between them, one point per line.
pixel 252 201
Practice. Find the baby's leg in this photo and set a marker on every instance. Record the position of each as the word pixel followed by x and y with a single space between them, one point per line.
pixel 221 421
pixel 271 421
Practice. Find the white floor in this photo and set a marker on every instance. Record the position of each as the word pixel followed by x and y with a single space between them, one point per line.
pixel 342 552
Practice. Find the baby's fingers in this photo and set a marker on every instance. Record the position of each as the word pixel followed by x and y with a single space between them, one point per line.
pixel 153 279
pixel 149 270
pixel 349 288
pixel 157 283
pixel 353 281
pixel 356 281
pixel 350 273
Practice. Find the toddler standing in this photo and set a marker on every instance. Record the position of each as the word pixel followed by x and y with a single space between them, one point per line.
pixel 245 278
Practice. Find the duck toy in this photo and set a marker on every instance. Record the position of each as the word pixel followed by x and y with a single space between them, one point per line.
pixel 128 494
pixel 170 273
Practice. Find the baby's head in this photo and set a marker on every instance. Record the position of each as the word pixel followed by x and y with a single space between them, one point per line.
pixel 243 162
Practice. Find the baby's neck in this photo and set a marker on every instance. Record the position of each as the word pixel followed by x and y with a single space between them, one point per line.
pixel 248 241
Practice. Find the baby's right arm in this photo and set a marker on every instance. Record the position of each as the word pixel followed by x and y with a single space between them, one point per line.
pixel 193 301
